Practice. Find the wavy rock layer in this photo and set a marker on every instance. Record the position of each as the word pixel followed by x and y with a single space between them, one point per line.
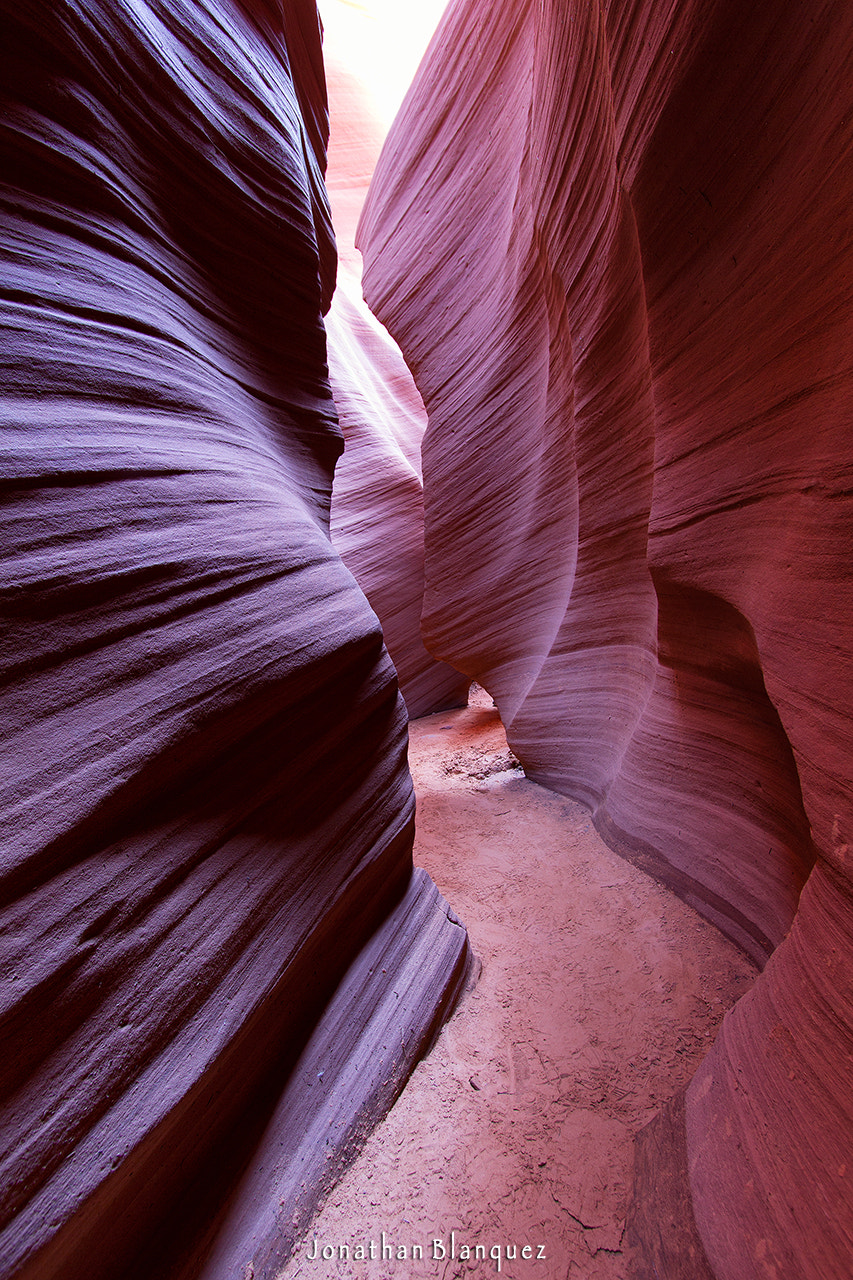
pixel 614 244
pixel 377 517
pixel 377 502
pixel 205 809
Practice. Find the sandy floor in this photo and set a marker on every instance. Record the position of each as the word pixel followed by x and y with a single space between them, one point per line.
pixel 598 996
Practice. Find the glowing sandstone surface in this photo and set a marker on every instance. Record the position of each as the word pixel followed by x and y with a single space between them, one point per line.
pixel 614 243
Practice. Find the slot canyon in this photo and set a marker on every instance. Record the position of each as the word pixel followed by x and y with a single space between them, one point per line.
pixel 573 345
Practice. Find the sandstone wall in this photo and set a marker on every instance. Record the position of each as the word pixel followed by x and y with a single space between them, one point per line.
pixel 377 519
pixel 206 814
pixel 377 502
pixel 614 243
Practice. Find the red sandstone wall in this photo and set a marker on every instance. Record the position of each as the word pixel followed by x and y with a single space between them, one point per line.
pixel 205 810
pixel 614 243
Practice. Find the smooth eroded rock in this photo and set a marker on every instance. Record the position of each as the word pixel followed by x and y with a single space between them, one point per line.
pixel 614 243
pixel 377 502
pixel 205 808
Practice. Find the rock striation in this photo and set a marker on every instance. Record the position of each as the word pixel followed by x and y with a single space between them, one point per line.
pixel 205 810
pixel 377 501
pixel 614 243
pixel 377 516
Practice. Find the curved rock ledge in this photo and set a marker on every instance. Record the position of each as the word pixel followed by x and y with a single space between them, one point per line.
pixel 205 809
pixel 614 243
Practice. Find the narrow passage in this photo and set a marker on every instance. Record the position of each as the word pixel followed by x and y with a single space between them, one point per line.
pixel 599 994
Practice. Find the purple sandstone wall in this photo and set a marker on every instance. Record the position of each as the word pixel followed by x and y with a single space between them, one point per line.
pixel 205 811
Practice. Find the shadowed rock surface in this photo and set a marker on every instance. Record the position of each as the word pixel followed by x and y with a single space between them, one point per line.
pixel 614 243
pixel 205 807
